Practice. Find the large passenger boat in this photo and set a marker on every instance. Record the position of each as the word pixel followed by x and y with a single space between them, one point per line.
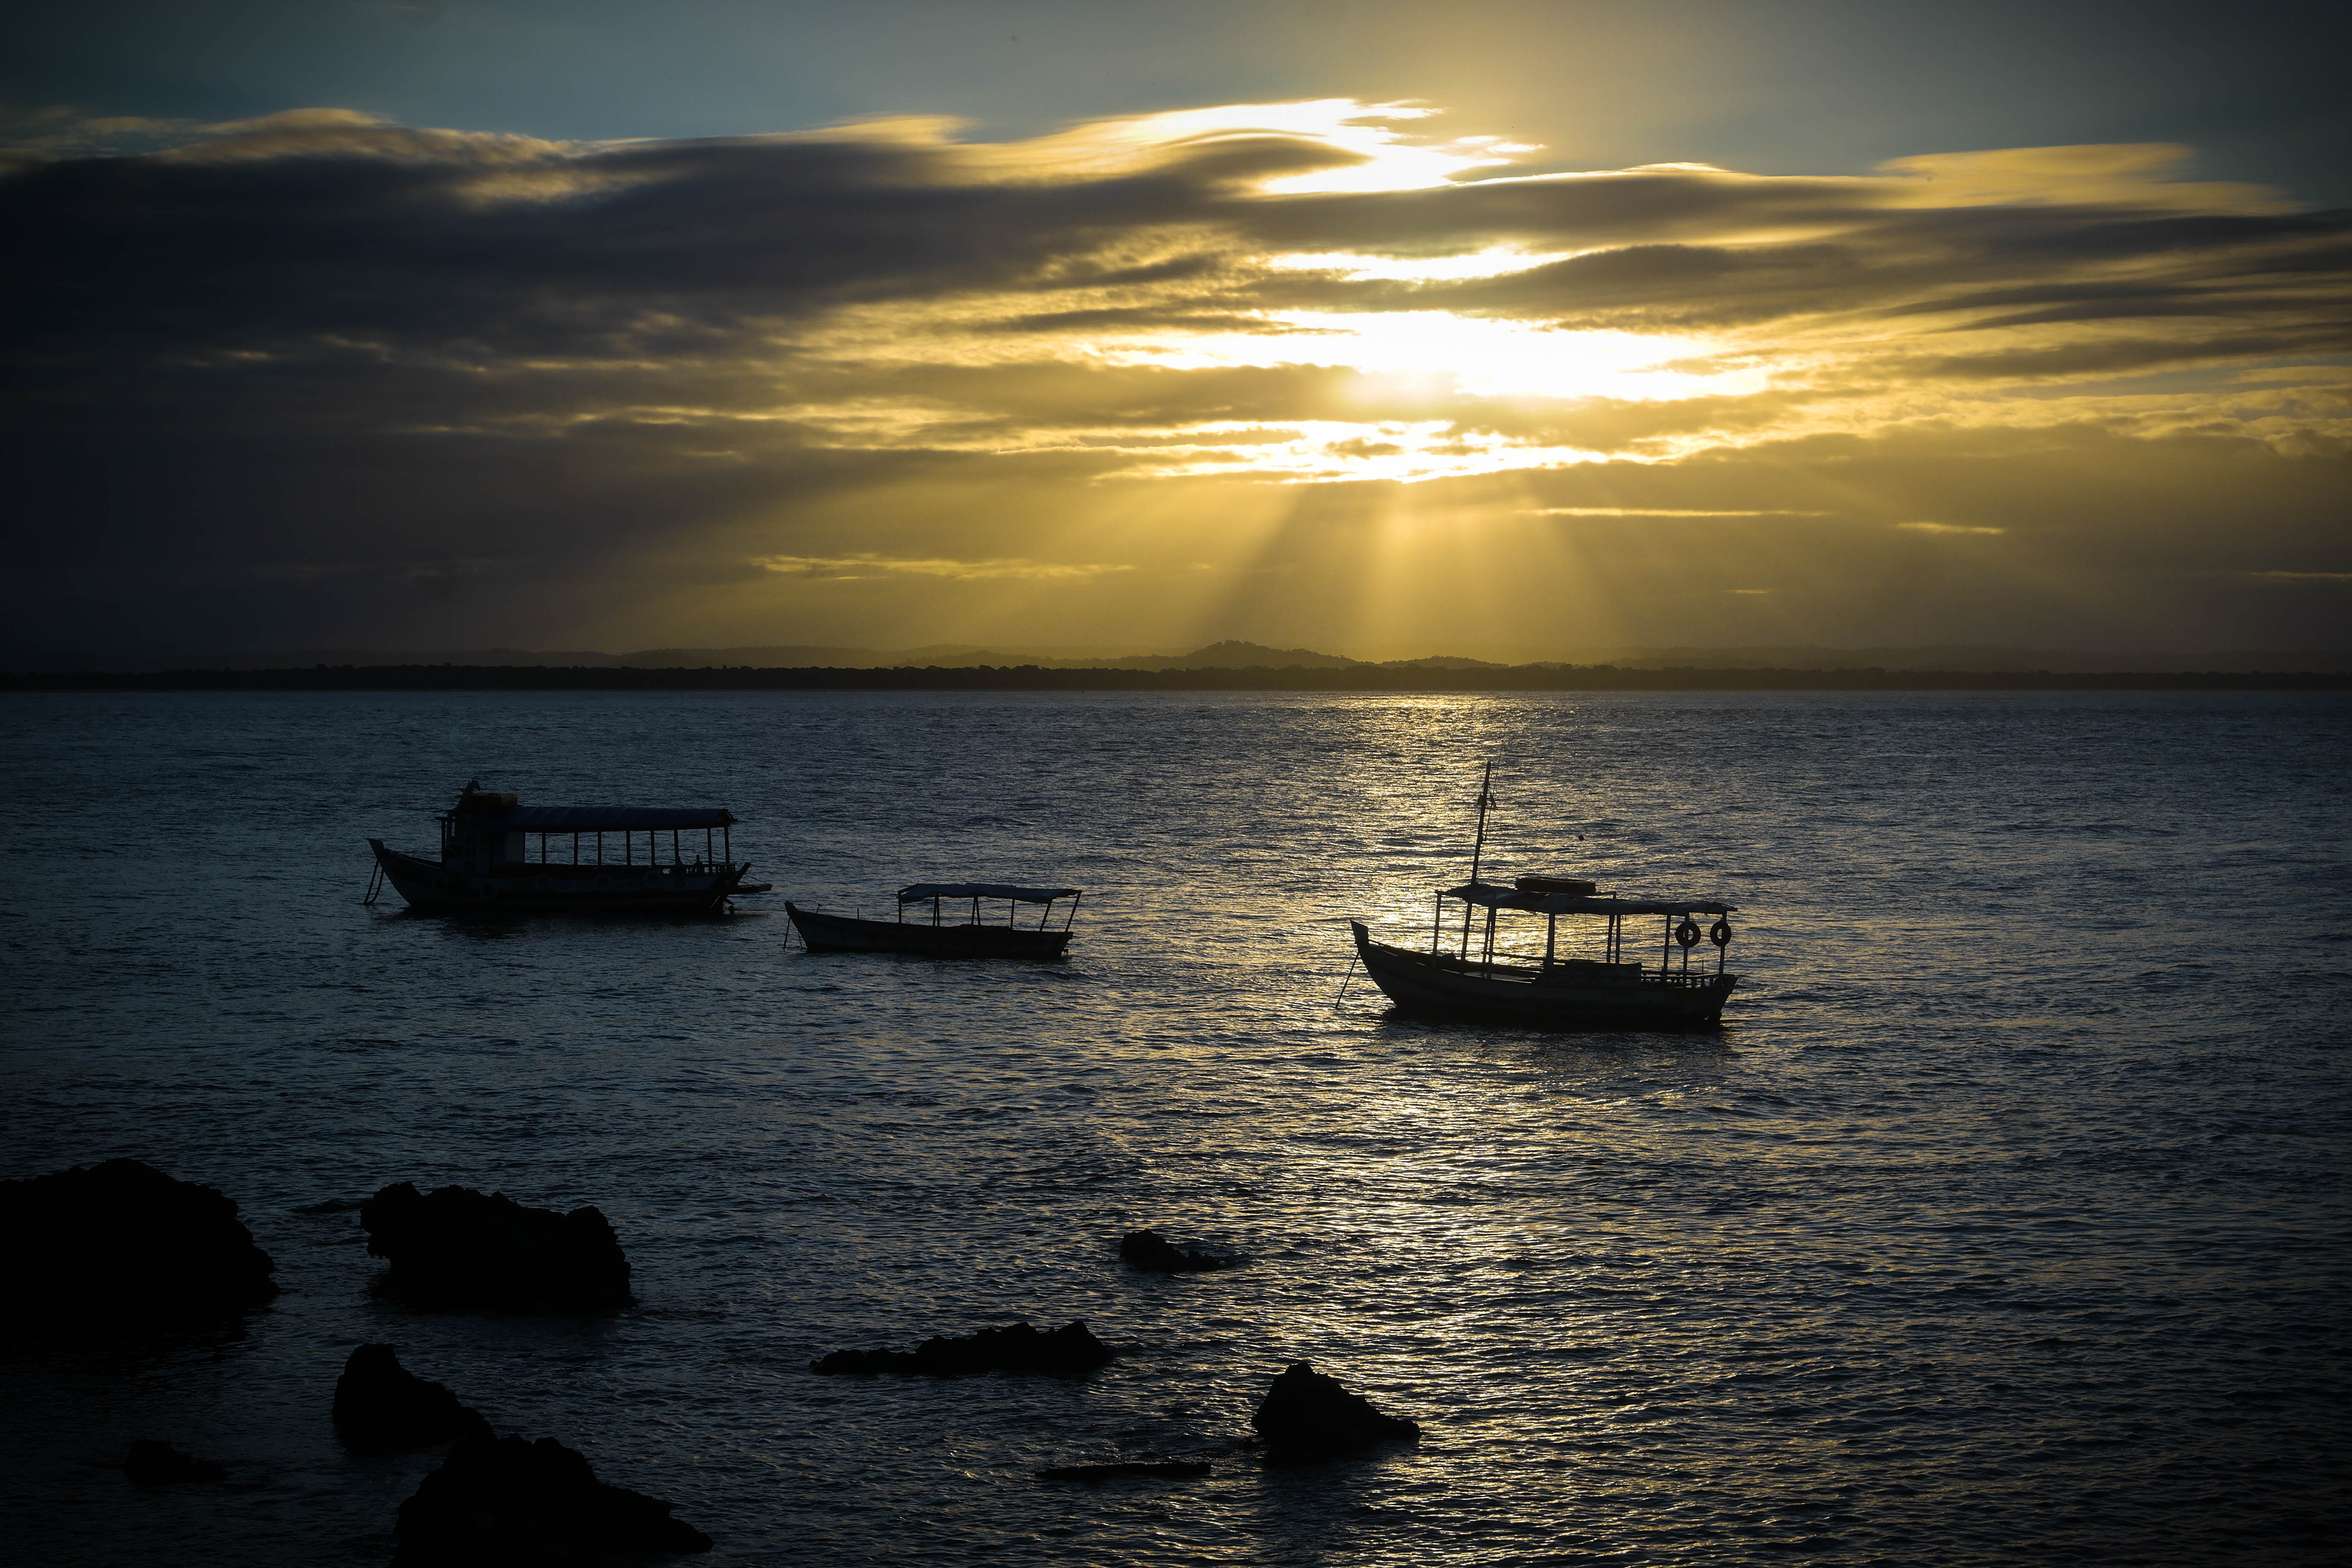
pixel 1593 984
pixel 970 934
pixel 590 860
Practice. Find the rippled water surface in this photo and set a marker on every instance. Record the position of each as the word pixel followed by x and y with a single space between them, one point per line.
pixel 2005 1221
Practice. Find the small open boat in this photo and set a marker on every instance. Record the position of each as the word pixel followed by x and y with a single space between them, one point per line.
pixel 938 937
pixel 1598 987
pixel 592 860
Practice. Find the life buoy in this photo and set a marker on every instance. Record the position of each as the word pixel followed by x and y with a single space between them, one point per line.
pixel 1687 932
pixel 653 879
pixel 1719 933
pixel 602 882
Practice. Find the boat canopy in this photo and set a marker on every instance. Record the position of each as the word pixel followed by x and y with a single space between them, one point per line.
pixel 921 892
pixel 603 818
pixel 1492 897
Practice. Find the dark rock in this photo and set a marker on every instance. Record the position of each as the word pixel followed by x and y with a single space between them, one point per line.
pixel 1306 1413
pixel 1016 1348
pixel 121 1243
pixel 1150 1250
pixel 1095 1475
pixel 459 1248
pixel 381 1406
pixel 153 1464
pixel 508 1502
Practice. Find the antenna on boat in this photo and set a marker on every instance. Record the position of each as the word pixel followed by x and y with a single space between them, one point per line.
pixel 1478 849
pixel 1477 854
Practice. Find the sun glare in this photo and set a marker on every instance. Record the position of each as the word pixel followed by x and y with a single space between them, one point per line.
pixel 1470 356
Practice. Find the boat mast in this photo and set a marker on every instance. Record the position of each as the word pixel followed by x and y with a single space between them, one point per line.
pixel 1477 852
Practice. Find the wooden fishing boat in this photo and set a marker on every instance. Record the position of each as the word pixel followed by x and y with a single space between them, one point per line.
pixel 1590 985
pixel 591 859
pixel 938 936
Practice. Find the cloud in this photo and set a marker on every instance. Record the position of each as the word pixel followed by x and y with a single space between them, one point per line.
pixel 36 134
pixel 1686 512
pixel 643 383
pixel 2132 174
pixel 855 567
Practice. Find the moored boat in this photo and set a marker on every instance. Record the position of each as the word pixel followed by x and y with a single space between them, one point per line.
pixel 1599 987
pixel 485 863
pixel 938 937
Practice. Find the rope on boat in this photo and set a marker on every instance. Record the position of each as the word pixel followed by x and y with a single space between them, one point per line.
pixel 1350 980
pixel 376 885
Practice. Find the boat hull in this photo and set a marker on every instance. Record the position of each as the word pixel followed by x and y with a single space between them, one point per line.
pixel 533 888
pixel 1622 999
pixel 841 934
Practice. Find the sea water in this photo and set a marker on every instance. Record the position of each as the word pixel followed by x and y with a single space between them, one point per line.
pixel 2004 1221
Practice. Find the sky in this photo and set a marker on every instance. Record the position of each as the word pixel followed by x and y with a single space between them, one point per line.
pixel 1375 328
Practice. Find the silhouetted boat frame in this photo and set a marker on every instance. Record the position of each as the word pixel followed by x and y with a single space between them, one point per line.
pixel 486 866
pixel 938 938
pixel 1609 992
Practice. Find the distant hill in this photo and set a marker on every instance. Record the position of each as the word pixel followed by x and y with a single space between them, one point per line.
pixel 1233 655
pixel 1227 654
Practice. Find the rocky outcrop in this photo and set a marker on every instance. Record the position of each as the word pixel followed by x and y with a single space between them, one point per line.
pixel 458 1248
pixel 1016 1348
pixel 1150 1250
pixel 121 1244
pixel 512 1503
pixel 153 1464
pixel 1095 1475
pixel 1306 1415
pixel 381 1406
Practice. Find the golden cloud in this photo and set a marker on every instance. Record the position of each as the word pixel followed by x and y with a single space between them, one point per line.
pixel 854 567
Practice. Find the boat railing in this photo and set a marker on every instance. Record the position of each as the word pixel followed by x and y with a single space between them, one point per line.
pixel 1685 979
pixel 1532 966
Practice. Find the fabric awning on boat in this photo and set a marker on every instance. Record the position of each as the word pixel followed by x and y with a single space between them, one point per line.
pixel 921 892
pixel 603 818
pixel 1487 895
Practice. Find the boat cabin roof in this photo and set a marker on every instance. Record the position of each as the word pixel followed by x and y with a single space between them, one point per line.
pixel 921 892
pixel 1490 896
pixel 598 818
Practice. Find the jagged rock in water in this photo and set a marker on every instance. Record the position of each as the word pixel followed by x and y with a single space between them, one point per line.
pixel 381 1406
pixel 1016 1348
pixel 1095 1475
pixel 1306 1413
pixel 1149 1250
pixel 461 1249
pixel 121 1244
pixel 153 1464
pixel 513 1503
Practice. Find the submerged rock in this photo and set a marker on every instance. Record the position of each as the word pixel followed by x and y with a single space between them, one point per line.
pixel 121 1243
pixel 514 1503
pixel 1095 1475
pixel 1015 1348
pixel 1149 1250
pixel 1306 1413
pixel 381 1406
pixel 461 1249
pixel 153 1464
